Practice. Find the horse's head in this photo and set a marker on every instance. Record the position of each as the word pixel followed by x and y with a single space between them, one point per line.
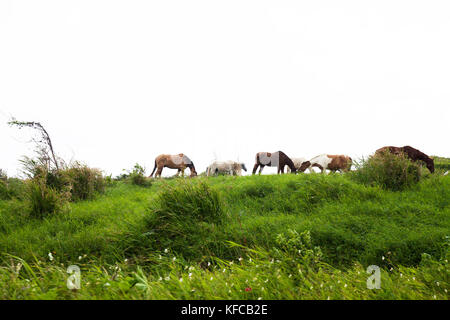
pixel 243 167
pixel 305 165
pixel 192 168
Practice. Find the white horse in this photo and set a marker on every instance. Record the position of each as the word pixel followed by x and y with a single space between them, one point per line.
pixel 226 167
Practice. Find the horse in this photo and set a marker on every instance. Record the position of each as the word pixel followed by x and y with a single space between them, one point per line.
pixel 177 161
pixel 300 163
pixel 413 154
pixel 333 163
pixel 276 159
pixel 227 167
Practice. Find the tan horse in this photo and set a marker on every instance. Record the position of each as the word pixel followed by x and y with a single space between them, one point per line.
pixel 177 161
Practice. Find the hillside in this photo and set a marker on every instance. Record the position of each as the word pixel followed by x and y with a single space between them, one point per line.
pixel 306 236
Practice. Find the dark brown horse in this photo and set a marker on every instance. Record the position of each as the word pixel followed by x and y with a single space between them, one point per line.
pixel 410 152
pixel 276 159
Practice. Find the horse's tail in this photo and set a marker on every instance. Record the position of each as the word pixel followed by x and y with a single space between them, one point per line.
pixel 153 170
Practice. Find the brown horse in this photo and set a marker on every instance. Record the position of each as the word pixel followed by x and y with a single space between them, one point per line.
pixel 177 161
pixel 333 163
pixel 413 154
pixel 277 159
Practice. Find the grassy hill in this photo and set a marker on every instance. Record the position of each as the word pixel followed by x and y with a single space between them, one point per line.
pixel 305 236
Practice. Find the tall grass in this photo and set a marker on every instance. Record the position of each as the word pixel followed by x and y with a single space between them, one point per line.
pixel 260 229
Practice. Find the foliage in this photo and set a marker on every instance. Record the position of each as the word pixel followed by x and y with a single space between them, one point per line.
pixel 311 237
pixel 390 171
pixel 44 200
pixel 84 182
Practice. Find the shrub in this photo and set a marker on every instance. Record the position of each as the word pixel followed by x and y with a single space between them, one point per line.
pixel 390 171
pixel 184 216
pixel 79 180
pixel 44 200
pixel 137 176
pixel 84 182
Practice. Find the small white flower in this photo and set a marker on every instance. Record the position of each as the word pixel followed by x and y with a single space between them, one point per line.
pixel 160 279
pixel 223 271
pixel 190 275
pixel 209 263
pixel 107 284
pixel 174 258
pixel 50 256
pixel 437 283
pixel 125 260
pixel 166 250
pixel 211 278
pixel 259 298
pixel 80 257
pixel 181 279
pixel 382 258
pixel 240 258
pixel 167 278
pixel 345 286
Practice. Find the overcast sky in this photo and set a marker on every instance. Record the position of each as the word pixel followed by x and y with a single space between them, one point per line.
pixel 119 82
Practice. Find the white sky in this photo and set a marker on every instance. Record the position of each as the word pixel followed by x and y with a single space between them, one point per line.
pixel 119 82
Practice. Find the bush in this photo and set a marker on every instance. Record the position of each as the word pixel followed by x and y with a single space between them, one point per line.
pixel 184 218
pixel 137 176
pixel 80 181
pixel 44 200
pixel 390 171
pixel 84 182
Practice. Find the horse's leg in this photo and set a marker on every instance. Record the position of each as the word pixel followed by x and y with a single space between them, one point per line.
pixel 158 172
pixel 255 167
pixel 282 169
pixel 261 168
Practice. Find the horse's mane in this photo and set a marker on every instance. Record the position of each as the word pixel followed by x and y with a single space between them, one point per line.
pixel 289 161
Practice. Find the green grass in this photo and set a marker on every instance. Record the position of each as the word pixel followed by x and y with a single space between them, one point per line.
pixel 229 229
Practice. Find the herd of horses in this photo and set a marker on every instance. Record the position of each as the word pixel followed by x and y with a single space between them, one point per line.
pixel 280 160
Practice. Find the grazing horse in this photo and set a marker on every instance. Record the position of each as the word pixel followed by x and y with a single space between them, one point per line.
pixel 177 161
pixel 227 167
pixel 331 162
pixel 413 154
pixel 300 163
pixel 276 159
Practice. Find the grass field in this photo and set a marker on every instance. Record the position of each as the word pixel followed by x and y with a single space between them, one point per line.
pixel 306 236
